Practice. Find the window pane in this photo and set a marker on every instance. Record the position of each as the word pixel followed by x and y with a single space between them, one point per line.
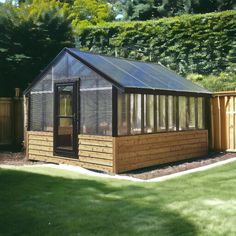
pixel 41 112
pixel 161 113
pixel 123 106
pixel 135 113
pixel 148 113
pixel 201 113
pixel 65 134
pixel 182 113
pixel 171 113
pixel 96 111
pixel 65 100
pixel 192 115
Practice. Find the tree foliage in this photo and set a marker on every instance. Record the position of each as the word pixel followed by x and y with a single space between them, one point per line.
pixel 90 12
pixel 152 9
pixel 29 39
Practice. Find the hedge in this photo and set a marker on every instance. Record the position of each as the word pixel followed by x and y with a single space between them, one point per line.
pixel 187 44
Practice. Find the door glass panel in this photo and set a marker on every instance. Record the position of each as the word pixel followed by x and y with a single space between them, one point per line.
pixel 65 100
pixel 65 133
pixel 65 120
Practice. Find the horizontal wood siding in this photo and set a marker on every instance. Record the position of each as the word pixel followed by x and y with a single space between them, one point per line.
pixel 95 152
pixel 140 151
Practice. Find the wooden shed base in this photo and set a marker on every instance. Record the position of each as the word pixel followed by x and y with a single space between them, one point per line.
pixel 120 154
pixel 95 152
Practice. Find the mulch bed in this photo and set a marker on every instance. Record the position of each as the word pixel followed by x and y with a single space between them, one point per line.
pixel 167 169
pixel 14 158
pixel 18 158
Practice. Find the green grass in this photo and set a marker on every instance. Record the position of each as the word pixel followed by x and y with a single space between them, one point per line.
pixel 45 201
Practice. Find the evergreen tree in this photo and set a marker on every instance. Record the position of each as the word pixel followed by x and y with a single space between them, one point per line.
pixel 30 39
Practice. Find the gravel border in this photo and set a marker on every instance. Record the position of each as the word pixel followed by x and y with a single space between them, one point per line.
pixel 172 168
pixel 149 173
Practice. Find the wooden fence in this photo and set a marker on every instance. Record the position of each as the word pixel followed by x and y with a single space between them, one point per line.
pixel 223 121
pixel 11 121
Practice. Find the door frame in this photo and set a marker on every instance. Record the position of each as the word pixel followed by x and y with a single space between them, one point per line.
pixel 62 152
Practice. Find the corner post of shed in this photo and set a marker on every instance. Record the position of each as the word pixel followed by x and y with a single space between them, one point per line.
pixel 114 126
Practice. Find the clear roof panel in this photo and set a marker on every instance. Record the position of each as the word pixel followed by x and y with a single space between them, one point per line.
pixel 136 74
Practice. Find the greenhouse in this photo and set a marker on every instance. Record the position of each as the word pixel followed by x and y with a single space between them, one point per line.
pixel 114 114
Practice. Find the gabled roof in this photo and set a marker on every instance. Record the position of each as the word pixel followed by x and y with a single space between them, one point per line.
pixel 131 75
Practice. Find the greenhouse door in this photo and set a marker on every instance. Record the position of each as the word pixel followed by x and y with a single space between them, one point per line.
pixel 65 120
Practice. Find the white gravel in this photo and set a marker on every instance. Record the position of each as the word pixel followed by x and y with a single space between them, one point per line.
pixel 103 175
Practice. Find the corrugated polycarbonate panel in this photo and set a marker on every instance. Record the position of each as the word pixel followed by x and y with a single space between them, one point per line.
pixel 96 112
pixel 44 84
pixel 135 74
pixel 41 112
pixel 107 66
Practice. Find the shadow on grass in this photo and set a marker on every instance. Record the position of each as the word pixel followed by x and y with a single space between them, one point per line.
pixel 34 204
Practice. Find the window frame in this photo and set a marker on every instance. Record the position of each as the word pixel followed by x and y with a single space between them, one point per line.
pixel 156 113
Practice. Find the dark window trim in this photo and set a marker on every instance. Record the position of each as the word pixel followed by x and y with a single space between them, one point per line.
pixel 155 113
pixel 165 92
pixel 114 112
pixel 196 112
pixel 177 112
pixel 29 113
pixel 187 112
pixel 142 112
pixel 128 115
pixel 167 112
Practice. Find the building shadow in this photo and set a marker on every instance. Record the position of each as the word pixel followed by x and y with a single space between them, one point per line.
pixel 37 204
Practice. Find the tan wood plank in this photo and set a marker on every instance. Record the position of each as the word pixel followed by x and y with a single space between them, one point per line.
pixel 43 148
pixel 61 160
pixel 95 143
pixel 41 153
pixel 42 138
pixel 129 157
pixel 152 162
pixel 39 133
pixel 127 147
pixel 107 156
pixel 41 143
pixel 95 148
pixel 96 161
pixel 95 137
pixel 160 138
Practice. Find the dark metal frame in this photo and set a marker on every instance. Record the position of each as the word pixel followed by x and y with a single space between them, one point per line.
pixel 114 112
pixel 127 90
pixel 29 112
pixel 58 151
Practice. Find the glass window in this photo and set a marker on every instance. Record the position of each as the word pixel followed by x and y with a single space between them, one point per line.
pixel 171 113
pixel 95 109
pixel 161 113
pixel 65 134
pixel 123 113
pixel 191 115
pixel 148 113
pixel 135 113
pixel 201 113
pixel 182 113
pixel 41 112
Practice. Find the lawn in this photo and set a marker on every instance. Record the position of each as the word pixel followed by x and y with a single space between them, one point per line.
pixel 46 201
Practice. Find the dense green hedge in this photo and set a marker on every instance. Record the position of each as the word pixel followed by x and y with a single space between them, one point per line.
pixel 187 44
